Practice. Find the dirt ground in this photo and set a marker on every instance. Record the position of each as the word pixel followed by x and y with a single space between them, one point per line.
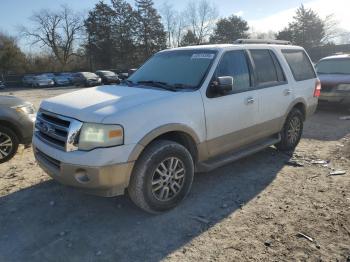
pixel 251 210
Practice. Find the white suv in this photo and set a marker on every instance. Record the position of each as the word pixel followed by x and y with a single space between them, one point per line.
pixel 185 110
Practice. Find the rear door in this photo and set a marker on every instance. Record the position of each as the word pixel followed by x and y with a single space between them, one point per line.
pixel 272 88
pixel 230 118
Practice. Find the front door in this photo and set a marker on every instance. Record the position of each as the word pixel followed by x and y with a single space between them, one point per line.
pixel 230 118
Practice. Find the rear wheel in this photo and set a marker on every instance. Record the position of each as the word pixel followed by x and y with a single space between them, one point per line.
pixel 292 131
pixel 8 144
pixel 162 176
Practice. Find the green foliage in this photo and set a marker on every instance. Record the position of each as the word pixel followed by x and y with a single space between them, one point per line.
pixel 121 37
pixel 189 39
pixel 150 32
pixel 229 29
pixel 307 29
pixel 12 60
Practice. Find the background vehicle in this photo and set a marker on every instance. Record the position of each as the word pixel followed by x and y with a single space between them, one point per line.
pixel 193 108
pixel 42 81
pixel 334 73
pixel 28 80
pixel 61 80
pixel 16 125
pixel 108 77
pixel 86 79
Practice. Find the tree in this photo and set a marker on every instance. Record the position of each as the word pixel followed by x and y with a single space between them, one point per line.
pixel 125 21
pixel 151 36
pixel 59 31
pixel 169 17
pixel 229 29
pixel 201 18
pixel 11 57
pixel 307 29
pixel 189 39
pixel 100 44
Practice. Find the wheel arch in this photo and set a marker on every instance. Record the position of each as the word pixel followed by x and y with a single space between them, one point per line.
pixel 179 133
pixel 13 127
pixel 300 104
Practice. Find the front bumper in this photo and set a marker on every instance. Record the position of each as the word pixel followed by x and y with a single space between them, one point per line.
pixel 100 177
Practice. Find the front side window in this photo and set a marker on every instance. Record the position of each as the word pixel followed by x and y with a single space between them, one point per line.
pixel 334 66
pixel 234 63
pixel 300 64
pixel 180 68
pixel 265 69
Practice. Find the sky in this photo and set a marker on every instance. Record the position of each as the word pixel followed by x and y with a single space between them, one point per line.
pixel 262 15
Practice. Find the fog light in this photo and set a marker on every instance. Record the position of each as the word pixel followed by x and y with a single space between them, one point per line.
pixel 81 176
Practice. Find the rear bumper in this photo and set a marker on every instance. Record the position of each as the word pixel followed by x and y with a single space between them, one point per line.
pixel 335 97
pixel 107 181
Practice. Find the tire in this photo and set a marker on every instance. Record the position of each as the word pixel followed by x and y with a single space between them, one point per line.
pixel 148 168
pixel 292 131
pixel 7 152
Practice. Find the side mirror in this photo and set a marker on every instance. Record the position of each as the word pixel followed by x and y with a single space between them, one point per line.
pixel 224 84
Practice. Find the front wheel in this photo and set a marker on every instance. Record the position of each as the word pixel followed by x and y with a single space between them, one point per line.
pixel 162 176
pixel 8 144
pixel 292 131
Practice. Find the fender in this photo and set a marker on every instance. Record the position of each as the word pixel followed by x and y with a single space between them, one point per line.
pixel 149 137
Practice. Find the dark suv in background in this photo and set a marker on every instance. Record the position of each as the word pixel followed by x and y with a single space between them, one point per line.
pixel 86 79
pixel 108 77
pixel 16 125
pixel 334 73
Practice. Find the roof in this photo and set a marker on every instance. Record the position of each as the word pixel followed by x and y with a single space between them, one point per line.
pixel 336 57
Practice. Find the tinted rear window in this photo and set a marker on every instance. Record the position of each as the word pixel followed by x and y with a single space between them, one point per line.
pixel 300 64
pixel 334 66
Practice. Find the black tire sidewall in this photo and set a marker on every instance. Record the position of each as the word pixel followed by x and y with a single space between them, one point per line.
pixel 285 142
pixel 15 143
pixel 147 164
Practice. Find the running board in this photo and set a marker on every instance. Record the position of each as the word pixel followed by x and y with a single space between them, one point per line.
pixel 227 158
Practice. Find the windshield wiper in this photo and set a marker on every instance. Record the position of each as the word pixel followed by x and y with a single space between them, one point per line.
pixel 128 82
pixel 159 84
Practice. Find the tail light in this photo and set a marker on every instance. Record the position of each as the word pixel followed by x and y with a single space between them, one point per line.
pixel 317 91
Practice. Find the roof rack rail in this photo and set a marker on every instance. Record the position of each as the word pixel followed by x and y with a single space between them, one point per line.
pixel 262 41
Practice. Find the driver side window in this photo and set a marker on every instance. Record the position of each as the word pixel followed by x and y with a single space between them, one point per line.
pixel 234 63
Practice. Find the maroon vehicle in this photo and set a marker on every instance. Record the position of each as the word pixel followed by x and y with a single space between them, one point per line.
pixel 334 73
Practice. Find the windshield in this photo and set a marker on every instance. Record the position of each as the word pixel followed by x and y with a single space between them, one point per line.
pixel 185 68
pixel 335 66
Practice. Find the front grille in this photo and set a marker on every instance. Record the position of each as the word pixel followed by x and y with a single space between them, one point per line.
pixel 57 131
pixel 51 161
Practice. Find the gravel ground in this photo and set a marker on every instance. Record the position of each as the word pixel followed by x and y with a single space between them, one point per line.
pixel 266 207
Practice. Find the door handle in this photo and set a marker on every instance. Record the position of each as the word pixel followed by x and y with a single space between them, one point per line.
pixel 250 100
pixel 287 92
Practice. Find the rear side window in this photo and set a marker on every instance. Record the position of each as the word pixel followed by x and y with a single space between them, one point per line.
pixel 300 64
pixel 267 67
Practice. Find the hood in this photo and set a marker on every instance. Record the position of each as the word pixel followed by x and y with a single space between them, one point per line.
pixel 95 104
pixel 7 101
pixel 334 79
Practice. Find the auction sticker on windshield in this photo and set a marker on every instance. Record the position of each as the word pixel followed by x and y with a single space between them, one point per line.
pixel 202 56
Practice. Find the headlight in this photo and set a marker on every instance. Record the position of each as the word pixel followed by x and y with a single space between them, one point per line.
pixel 100 135
pixel 343 87
pixel 27 109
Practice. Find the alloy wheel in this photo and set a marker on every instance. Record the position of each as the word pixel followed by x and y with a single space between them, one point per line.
pixel 6 145
pixel 294 130
pixel 168 179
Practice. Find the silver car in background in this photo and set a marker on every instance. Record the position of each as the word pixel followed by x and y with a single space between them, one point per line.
pixel 42 81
